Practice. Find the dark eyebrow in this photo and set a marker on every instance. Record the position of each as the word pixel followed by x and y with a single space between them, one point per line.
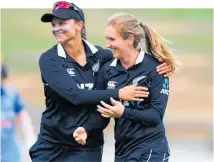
pixel 110 38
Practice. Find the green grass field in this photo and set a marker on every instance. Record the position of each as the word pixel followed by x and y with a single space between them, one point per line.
pixel 24 36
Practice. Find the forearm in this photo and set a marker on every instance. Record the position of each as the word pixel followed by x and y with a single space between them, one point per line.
pixel 83 96
pixel 149 116
pixel 26 128
pixel 96 123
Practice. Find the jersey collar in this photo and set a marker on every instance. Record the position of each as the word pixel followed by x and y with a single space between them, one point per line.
pixel 61 51
pixel 139 59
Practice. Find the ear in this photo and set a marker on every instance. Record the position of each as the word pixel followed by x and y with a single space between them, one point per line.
pixel 79 25
pixel 131 40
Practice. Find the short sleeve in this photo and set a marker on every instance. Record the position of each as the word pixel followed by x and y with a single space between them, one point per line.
pixel 19 103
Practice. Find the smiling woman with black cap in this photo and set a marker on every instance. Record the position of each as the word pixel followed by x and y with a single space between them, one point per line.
pixel 68 72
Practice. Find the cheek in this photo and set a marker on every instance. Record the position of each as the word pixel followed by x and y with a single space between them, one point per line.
pixel 114 44
pixel 117 45
pixel 66 28
pixel 56 28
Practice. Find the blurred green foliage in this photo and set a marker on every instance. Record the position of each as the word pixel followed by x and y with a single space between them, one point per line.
pixel 25 37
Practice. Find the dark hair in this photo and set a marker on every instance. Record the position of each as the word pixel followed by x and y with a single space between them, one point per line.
pixel 4 71
pixel 83 32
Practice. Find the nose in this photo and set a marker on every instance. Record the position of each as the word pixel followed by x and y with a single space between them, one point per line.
pixel 108 44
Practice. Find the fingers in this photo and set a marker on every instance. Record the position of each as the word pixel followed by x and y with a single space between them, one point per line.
pixel 106 105
pixel 167 67
pixel 137 99
pixel 141 95
pixel 106 113
pixel 164 68
pixel 168 74
pixel 162 65
pixel 103 110
pixel 75 134
pixel 165 71
pixel 135 84
pixel 80 135
pixel 80 140
pixel 160 59
pixel 141 92
pixel 105 116
pixel 78 131
pixel 114 102
pixel 141 88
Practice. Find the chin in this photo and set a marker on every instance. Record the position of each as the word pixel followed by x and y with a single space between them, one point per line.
pixel 116 55
pixel 60 41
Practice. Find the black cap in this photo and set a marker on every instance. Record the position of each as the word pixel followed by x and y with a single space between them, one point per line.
pixel 73 12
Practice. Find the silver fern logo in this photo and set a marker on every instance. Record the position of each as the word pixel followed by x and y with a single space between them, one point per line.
pixel 137 79
pixel 96 66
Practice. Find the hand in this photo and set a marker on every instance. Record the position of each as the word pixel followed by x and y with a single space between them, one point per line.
pixel 108 111
pixel 165 68
pixel 80 135
pixel 133 93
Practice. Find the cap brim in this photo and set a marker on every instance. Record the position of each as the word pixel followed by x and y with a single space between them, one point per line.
pixel 48 17
pixel 63 14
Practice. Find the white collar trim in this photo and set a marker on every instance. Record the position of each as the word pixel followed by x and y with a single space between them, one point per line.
pixel 61 51
pixel 139 59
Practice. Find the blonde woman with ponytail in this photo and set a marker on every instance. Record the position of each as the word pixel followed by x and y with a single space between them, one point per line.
pixel 139 129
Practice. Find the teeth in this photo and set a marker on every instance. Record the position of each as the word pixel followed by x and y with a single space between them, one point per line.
pixel 59 34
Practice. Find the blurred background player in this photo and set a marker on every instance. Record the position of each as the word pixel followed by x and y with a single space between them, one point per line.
pixel 13 113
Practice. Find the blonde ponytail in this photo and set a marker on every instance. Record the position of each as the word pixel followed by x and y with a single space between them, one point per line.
pixel 156 46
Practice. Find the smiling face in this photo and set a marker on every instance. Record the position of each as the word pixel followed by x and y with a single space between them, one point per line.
pixel 65 30
pixel 123 34
pixel 116 43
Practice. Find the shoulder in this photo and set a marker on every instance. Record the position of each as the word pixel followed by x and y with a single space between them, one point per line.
pixel 150 61
pixel 49 54
pixel 10 90
pixel 104 53
pixel 107 67
pixel 151 64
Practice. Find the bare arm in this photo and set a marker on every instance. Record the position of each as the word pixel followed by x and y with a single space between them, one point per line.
pixel 25 123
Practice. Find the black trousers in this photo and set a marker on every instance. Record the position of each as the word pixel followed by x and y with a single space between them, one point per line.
pixel 43 152
pixel 145 156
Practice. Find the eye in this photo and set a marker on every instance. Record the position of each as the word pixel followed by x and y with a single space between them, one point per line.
pixel 53 25
pixel 62 23
pixel 110 39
